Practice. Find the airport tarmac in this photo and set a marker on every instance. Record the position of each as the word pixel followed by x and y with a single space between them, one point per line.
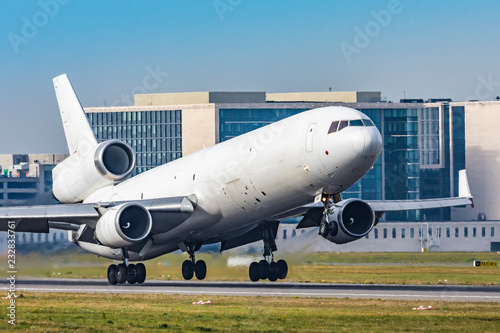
pixel 282 289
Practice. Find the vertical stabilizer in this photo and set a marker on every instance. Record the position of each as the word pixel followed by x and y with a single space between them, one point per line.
pixel 463 185
pixel 79 135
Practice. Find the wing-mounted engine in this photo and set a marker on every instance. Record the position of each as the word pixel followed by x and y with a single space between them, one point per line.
pixel 81 174
pixel 347 220
pixel 123 225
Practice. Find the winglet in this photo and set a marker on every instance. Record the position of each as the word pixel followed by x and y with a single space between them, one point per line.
pixel 463 185
pixel 79 135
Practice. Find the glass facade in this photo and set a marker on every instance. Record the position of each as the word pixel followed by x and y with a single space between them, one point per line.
pixel 155 136
pixel 234 122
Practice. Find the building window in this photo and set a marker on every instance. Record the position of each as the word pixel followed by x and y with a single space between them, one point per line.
pixel 412 233
pixel 403 232
pixel 439 232
pixel 375 232
pixel 473 232
pixel 466 232
pixel 385 233
pixel 393 232
pixel 420 232
pixel 483 232
pixel 284 234
pixel 448 232
pixel 492 231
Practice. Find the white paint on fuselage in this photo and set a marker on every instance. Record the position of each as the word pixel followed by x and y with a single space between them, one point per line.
pixel 258 174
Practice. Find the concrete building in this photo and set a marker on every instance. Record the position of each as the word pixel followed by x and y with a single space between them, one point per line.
pixel 482 147
pixel 332 96
pixel 479 236
pixel 26 176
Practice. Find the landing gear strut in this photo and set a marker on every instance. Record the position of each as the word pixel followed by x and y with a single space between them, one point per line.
pixel 267 268
pixel 192 267
pixel 126 272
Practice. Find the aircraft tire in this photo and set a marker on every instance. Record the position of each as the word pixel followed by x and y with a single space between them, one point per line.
pixel 263 269
pixel 273 272
pixel 187 270
pixel 200 269
pixel 324 229
pixel 121 273
pixel 112 269
pixel 253 272
pixel 282 269
pixel 132 274
pixel 141 273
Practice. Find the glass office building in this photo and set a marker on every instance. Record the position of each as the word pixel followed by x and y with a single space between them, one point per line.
pixel 155 136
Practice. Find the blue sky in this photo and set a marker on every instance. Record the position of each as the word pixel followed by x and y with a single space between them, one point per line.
pixel 110 48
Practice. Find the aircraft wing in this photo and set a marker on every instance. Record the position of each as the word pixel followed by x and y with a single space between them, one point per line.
pixel 464 198
pixel 40 219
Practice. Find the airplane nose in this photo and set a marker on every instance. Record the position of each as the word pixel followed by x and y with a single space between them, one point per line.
pixel 367 142
pixel 373 141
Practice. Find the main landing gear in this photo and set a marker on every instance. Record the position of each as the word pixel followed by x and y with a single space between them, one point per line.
pixel 126 272
pixel 267 268
pixel 192 267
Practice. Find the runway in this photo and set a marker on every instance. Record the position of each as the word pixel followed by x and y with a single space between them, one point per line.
pixel 282 289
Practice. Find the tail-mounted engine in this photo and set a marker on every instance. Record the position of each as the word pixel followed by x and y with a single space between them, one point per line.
pixel 123 225
pixel 81 174
pixel 347 220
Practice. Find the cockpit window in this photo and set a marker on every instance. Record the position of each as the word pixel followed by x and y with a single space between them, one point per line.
pixel 341 124
pixel 368 122
pixel 356 122
pixel 333 127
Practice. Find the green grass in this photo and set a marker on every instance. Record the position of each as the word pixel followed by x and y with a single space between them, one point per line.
pixel 398 268
pixel 40 312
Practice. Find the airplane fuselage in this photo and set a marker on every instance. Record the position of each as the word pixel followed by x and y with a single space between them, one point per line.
pixel 259 174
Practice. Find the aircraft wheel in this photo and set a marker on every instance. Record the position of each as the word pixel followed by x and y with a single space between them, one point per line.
pixel 132 274
pixel 187 270
pixel 112 269
pixel 263 269
pixel 200 269
pixel 324 228
pixel 282 269
pixel 121 274
pixel 273 272
pixel 253 272
pixel 141 273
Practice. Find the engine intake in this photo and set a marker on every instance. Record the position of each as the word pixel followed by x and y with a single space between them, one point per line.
pixel 347 221
pixel 123 225
pixel 83 173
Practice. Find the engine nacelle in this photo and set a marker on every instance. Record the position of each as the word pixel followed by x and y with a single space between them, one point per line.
pixel 123 225
pixel 82 173
pixel 347 220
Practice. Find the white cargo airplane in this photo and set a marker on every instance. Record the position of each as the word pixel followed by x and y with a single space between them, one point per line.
pixel 233 193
